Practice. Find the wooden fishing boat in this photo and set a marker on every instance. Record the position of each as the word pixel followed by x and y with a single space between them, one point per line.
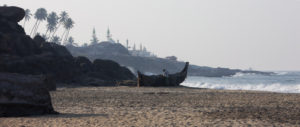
pixel 160 80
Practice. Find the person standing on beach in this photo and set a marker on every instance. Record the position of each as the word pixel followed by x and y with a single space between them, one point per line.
pixel 166 75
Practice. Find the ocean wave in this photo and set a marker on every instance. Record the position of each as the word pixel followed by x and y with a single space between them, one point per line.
pixel 131 69
pixel 281 73
pixel 276 87
pixel 150 73
pixel 239 74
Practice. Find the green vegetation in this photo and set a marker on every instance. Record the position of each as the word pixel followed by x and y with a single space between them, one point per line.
pixel 54 22
pixel 40 15
pixel 27 16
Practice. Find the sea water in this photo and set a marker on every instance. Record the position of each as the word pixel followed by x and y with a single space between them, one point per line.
pixel 283 82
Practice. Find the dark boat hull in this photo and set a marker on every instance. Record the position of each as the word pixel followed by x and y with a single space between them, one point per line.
pixel 159 80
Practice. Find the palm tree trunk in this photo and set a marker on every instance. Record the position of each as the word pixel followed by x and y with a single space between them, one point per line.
pixel 62 37
pixel 37 26
pixel 46 31
pixel 24 23
pixel 33 27
pixel 49 35
pixel 56 29
pixel 33 33
pixel 66 36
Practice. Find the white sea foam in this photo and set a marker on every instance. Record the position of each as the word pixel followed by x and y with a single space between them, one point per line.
pixel 239 74
pixel 131 69
pixel 281 73
pixel 149 73
pixel 257 87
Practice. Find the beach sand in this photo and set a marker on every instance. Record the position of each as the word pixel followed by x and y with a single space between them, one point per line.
pixel 148 106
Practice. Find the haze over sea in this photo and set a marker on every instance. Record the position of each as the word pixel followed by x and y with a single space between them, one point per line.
pixel 282 82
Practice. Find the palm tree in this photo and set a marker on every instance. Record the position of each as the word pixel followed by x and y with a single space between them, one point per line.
pixel 71 42
pixel 68 25
pixel 40 15
pixel 56 40
pixel 27 16
pixel 43 36
pixel 63 17
pixel 52 20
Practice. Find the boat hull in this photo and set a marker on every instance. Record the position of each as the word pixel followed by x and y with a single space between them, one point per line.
pixel 160 80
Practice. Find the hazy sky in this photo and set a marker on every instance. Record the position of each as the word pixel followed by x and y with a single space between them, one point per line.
pixel 262 34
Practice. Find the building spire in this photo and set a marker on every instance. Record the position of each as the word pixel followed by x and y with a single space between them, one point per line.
pixel 134 47
pixel 108 34
pixel 141 47
pixel 127 43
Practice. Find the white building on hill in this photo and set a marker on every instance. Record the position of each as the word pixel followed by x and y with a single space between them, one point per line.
pixel 141 52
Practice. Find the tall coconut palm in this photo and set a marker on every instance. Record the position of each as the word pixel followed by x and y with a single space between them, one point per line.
pixel 68 25
pixel 62 18
pixel 27 16
pixel 52 20
pixel 40 15
pixel 56 40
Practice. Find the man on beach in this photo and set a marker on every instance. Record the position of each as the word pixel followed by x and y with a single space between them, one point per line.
pixel 166 75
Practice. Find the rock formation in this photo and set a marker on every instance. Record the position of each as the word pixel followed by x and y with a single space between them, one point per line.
pixel 22 95
pixel 40 65
pixel 21 54
pixel 13 14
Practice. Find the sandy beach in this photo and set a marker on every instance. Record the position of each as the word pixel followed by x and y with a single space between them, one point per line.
pixel 148 106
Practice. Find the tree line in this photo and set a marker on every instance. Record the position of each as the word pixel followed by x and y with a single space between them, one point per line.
pixel 54 22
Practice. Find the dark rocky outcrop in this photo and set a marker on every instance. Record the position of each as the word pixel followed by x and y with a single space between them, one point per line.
pixel 13 14
pixel 102 72
pixel 20 95
pixel 85 64
pixel 21 54
pixel 23 95
pixel 106 66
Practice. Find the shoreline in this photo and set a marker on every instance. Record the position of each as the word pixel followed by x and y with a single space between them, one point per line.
pixel 165 106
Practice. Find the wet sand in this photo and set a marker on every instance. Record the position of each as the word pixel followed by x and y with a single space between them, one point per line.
pixel 131 106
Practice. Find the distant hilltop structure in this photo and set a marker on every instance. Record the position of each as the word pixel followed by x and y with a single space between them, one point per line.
pixel 116 46
pixel 109 37
pixel 174 58
pixel 142 51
